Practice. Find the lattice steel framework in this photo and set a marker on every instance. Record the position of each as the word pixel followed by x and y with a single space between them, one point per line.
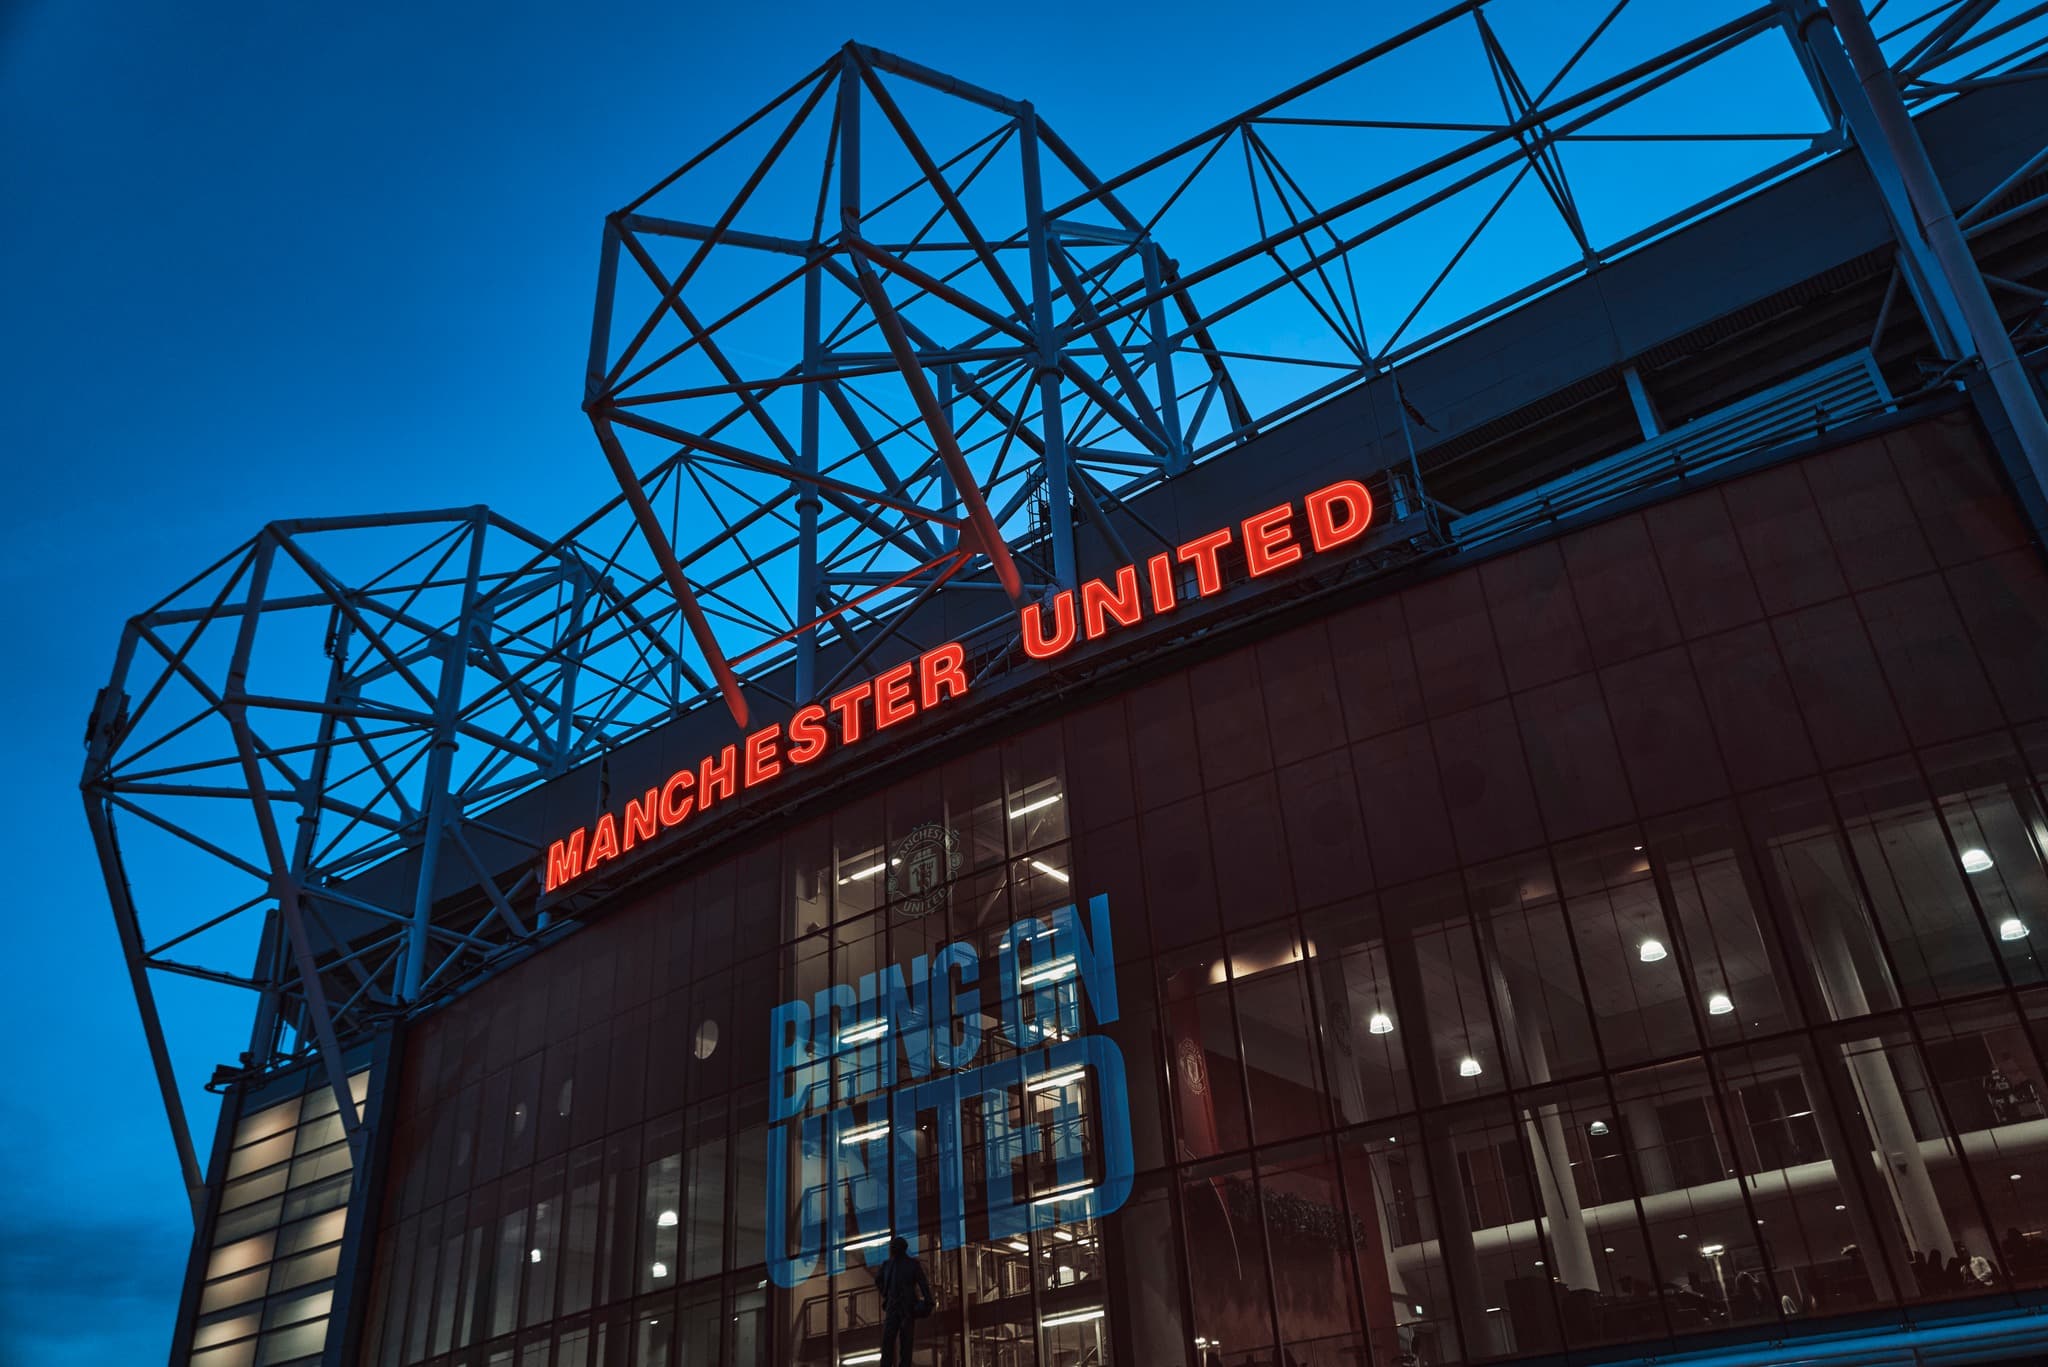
pixel 455 659
pixel 848 354
pixel 892 333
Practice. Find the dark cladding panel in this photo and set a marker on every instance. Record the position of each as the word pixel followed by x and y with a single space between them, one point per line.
pixel 1958 495
pixel 1620 593
pixel 1375 667
pixel 1661 728
pixel 1304 710
pixel 1935 679
pixel 1451 633
pixel 2004 601
pixel 1486 785
pixel 1535 617
pixel 1573 759
pixel 1755 713
pixel 1869 519
pixel 1574 891
pixel 1841 693
pixel 1402 796
pixel 1784 539
pixel 1705 571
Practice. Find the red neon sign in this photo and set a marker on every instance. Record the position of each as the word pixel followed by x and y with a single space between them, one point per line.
pixel 891 697
pixel 1335 515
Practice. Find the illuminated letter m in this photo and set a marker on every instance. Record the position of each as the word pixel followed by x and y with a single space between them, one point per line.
pixel 565 860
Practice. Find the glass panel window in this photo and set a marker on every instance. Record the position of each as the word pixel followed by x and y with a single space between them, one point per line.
pixel 1813 881
pixel 1538 993
pixel 1404 1279
pixel 1996 828
pixel 1634 961
pixel 1440 982
pixel 1819 1250
pixel 1224 1230
pixel 1916 882
pixel 1282 1075
pixel 1311 1232
pixel 1711 885
pixel 1892 1115
pixel 1355 1006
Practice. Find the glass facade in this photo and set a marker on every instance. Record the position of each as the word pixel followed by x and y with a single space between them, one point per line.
pixel 1633 936
pixel 267 1290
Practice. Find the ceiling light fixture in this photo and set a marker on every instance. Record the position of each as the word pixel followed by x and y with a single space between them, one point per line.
pixel 1070 1317
pixel 868 873
pixel 1065 1194
pixel 1062 967
pixel 1053 1082
pixel 865 1031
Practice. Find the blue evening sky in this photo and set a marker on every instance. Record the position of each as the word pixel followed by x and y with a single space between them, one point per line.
pixel 291 258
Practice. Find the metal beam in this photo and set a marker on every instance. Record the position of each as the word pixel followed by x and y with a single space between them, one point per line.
pixel 968 488
pixel 1983 328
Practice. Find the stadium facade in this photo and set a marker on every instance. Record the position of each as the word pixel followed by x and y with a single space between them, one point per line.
pixel 1538 854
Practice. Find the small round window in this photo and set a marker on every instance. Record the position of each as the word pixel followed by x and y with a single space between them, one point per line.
pixel 707 1040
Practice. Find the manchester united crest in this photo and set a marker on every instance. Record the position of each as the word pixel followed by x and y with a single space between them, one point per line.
pixel 922 866
pixel 1194 1069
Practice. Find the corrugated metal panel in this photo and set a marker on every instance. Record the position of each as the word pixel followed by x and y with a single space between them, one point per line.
pixel 1822 398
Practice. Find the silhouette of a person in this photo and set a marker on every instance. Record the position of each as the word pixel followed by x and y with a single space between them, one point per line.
pixel 906 1297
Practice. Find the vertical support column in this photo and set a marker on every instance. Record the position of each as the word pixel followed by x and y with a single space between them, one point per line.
pixel 440 764
pixel 132 951
pixel 572 668
pixel 1645 1135
pixel 1835 84
pixel 1983 327
pixel 1639 398
pixel 1454 1219
pixel 806 490
pixel 1564 1219
pixel 1038 236
pixel 949 496
pixel 1162 362
pixel 284 883
pixel 849 135
pixel 1799 982
pixel 291 918
pixel 1877 1092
